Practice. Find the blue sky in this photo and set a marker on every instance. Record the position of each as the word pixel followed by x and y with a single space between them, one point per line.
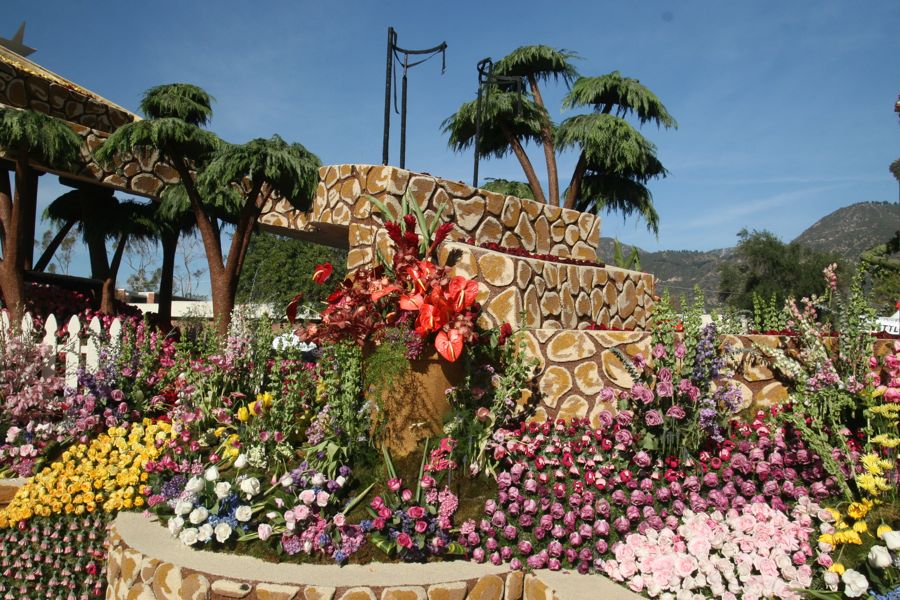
pixel 784 108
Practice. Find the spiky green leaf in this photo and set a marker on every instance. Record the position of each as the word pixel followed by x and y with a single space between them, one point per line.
pixel 542 62
pixel 611 145
pixel 182 101
pixel 621 96
pixel 503 114
pixel 39 137
pixel 171 137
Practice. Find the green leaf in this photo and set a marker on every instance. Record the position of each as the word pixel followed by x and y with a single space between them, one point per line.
pixel 384 544
pixel 455 548
pixel 359 498
pixel 649 442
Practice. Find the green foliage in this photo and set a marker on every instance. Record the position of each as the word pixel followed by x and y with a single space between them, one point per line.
pixel 277 268
pixel 765 265
pixel 289 169
pixel 611 145
pixel 183 101
pixel 48 141
pixel 340 372
pixel 385 366
pixel 170 136
pixel 612 93
pixel 506 187
pixel 633 261
pixel 541 62
pixel 855 322
pixel 618 194
pixel 426 228
pixel 768 316
pixel 504 115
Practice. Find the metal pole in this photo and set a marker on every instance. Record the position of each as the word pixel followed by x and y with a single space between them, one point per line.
pixel 403 115
pixel 391 41
pixel 477 135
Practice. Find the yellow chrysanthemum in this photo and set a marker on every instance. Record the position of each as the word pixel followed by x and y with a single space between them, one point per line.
pixel 860 527
pixel 837 568
pixel 885 441
pixel 858 510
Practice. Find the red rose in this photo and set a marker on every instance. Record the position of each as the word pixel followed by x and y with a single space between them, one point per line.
pixel 404 541
pixel 421 526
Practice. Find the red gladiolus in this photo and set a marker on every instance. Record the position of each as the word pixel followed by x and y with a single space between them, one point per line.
pixel 322 273
pixel 449 345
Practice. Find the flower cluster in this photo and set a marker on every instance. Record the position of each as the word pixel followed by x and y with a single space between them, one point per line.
pixel 54 557
pixel 107 473
pixel 758 552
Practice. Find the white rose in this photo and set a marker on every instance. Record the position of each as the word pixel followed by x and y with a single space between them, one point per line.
pixel 832 580
pixel 223 532
pixel 856 583
pixel 195 485
pixel 222 489
pixel 198 515
pixel 175 525
pixel 250 486
pixel 205 533
pixel 183 507
pixel 188 537
pixel 211 473
pixel 891 540
pixel 879 557
pixel 241 461
pixel 243 513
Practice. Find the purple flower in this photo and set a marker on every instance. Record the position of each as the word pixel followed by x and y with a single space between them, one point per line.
pixel 624 418
pixel 510 532
pixel 642 459
pixel 525 547
pixel 618 497
pixel 675 412
pixel 602 507
pixel 624 437
pixel 601 528
pixel 633 513
pixel 601 546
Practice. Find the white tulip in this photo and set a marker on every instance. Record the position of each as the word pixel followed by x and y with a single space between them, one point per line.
pixel 318 480
pixel 243 513
pixel 211 473
pixel 195 485
pixel 222 489
pixel 175 525
pixel 855 582
pixel 891 540
pixel 183 507
pixel 198 515
pixel 879 557
pixel 205 533
pixel 241 461
pixel 189 536
pixel 250 486
pixel 832 580
pixel 287 481
pixel 223 532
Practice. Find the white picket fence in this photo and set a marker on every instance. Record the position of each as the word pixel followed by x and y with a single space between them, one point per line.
pixel 80 349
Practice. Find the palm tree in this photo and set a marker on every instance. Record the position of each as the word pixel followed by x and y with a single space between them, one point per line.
pixel 508 121
pixel 537 64
pixel 613 154
pixel 509 188
pixel 615 160
pixel 100 217
pixel 213 174
pixel 27 137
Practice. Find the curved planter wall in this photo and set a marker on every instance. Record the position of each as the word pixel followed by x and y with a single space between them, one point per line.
pixel 146 563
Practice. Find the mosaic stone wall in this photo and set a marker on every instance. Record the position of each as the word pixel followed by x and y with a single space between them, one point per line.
pixel 133 575
pixel 486 216
pixel 552 295
pixel 23 84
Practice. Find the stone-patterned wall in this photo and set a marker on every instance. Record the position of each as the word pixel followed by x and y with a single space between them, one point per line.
pixel 574 365
pixel 486 216
pixel 8 489
pixel 553 295
pixel 133 574
pixel 24 84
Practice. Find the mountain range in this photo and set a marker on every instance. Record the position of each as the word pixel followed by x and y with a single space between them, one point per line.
pixel 847 232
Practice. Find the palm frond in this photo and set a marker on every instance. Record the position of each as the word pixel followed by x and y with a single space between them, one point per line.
pixel 170 136
pixel 179 101
pixel 612 93
pixel 611 145
pixel 618 194
pixel 895 169
pixel 502 112
pixel 41 138
pixel 542 62
pixel 290 169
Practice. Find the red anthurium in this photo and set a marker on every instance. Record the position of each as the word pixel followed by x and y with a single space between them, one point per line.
pixel 462 292
pixel 417 277
pixel 449 344
pixel 292 308
pixel 322 273
pixel 411 301
pixel 431 317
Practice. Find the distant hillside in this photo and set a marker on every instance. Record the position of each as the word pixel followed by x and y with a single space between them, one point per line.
pixel 847 231
pixel 853 229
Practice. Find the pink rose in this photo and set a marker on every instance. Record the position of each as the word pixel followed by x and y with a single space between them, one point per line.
pixel 404 541
pixel 394 484
pixel 415 512
pixel 421 526
pixel 340 519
